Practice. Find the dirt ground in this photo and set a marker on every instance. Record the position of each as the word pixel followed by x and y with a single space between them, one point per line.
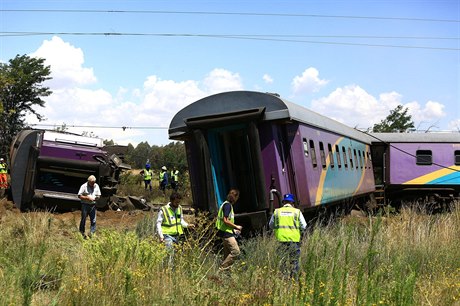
pixel 121 220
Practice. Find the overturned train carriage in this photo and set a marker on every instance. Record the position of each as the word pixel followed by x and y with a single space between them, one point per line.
pixel 48 168
pixel 266 146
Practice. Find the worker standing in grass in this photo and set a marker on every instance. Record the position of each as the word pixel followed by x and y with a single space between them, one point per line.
pixel 175 179
pixel 3 174
pixel 170 223
pixel 288 223
pixel 147 173
pixel 89 193
pixel 163 179
pixel 228 230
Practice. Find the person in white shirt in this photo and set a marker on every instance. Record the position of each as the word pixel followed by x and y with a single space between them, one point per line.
pixel 88 194
pixel 170 221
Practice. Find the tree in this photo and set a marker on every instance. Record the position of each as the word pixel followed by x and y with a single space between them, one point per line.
pixel 63 128
pixel 398 121
pixel 108 142
pixel 21 89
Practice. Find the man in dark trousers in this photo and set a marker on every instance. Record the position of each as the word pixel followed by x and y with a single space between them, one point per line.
pixel 288 223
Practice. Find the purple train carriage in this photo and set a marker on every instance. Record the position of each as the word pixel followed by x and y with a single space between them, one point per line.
pixel 266 146
pixel 48 168
pixel 422 167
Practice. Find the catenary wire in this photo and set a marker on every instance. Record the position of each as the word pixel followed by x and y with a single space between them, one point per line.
pixel 224 37
pixel 229 13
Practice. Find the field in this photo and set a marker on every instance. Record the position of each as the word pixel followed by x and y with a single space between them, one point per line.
pixel 401 259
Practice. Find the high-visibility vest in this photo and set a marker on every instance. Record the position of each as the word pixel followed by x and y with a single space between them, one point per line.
pixel 176 176
pixel 171 221
pixel 3 168
pixel 147 174
pixel 220 225
pixel 162 175
pixel 287 224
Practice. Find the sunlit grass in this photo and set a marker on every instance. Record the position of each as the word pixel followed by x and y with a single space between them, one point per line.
pixel 404 259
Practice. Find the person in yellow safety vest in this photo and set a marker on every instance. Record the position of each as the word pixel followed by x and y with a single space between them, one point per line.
pixel 3 174
pixel 170 223
pixel 288 223
pixel 175 179
pixel 163 179
pixel 147 173
pixel 228 230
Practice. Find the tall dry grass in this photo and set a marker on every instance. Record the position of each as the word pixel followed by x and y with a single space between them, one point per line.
pixel 406 259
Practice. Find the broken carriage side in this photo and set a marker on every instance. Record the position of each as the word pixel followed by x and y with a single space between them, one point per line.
pixel 48 168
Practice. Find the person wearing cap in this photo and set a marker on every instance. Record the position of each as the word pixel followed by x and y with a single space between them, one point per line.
pixel 163 179
pixel 3 174
pixel 88 194
pixel 288 224
pixel 170 223
pixel 147 173
pixel 227 230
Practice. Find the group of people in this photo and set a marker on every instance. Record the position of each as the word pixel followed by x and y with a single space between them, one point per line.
pixel 164 178
pixel 287 222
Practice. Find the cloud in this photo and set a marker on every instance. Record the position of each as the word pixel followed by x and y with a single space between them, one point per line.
pixel 431 110
pixel 220 80
pixel 146 111
pixel 353 106
pixel 308 82
pixel 66 62
pixel 267 79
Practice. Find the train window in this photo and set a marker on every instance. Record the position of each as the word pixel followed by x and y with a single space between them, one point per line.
pixel 345 160
pixel 360 159
pixel 457 158
pixel 331 157
pixel 313 154
pixel 356 158
pixel 322 154
pixel 305 147
pixel 337 154
pixel 351 158
pixel 424 157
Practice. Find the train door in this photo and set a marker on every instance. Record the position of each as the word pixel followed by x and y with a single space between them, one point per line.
pixel 286 136
pixel 236 163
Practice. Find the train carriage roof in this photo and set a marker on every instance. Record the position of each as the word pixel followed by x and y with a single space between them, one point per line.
pixel 269 107
pixel 432 137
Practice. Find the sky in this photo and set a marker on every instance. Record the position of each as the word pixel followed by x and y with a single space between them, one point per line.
pixel 122 69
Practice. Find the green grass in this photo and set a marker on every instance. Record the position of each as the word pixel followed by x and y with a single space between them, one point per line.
pixel 404 259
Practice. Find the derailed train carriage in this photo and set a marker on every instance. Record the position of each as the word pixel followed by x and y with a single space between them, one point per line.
pixel 48 168
pixel 417 167
pixel 266 146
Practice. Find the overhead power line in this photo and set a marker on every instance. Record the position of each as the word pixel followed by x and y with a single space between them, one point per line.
pixel 247 37
pixel 228 13
pixel 102 126
pixel 17 33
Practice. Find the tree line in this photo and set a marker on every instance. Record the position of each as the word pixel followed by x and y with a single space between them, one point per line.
pixel 171 155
